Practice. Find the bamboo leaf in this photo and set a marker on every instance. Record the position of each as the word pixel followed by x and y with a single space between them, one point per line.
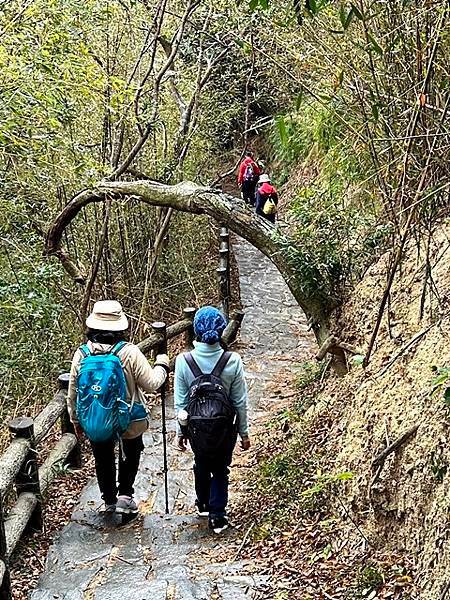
pixel 282 131
pixel 311 6
pixel 344 476
pixel 342 15
pixel 345 18
pixel 358 14
pixel 375 111
pixel 447 395
pixel 349 18
pixel 375 45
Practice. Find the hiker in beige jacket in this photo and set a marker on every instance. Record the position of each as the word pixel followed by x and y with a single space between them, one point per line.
pixel 106 327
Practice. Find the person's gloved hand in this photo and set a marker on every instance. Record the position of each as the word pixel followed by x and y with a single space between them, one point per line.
pixel 162 360
pixel 245 442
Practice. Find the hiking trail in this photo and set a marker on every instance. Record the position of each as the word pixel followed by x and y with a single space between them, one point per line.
pixel 175 557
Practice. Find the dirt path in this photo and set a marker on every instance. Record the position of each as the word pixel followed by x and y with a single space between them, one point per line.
pixel 175 557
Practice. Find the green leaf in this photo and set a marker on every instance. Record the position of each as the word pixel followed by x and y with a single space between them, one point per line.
pixel 443 376
pixel 315 489
pixel 357 359
pixel 375 45
pixel 358 14
pixel 282 131
pixel 349 18
pixel 299 100
pixel 344 476
pixel 342 15
pixel 253 5
pixel 375 111
pixel 311 6
pixel 345 18
pixel 447 396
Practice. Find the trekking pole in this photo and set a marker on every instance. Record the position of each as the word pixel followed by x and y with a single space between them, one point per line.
pixel 160 329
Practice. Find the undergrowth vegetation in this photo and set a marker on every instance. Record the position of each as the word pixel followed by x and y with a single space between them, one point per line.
pixel 333 215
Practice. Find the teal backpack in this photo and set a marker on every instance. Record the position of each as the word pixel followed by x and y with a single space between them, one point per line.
pixel 102 409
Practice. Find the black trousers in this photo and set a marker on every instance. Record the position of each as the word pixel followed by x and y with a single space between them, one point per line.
pixel 211 481
pixel 248 191
pixel 105 467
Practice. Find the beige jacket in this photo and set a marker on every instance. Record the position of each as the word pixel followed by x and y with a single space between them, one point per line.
pixel 139 375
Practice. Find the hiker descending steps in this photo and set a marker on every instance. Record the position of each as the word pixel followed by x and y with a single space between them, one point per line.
pixel 106 401
pixel 211 404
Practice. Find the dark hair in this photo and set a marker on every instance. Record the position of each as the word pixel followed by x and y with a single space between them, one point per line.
pixel 249 153
pixel 106 337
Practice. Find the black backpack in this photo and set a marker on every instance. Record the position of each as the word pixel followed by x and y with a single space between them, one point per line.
pixel 212 428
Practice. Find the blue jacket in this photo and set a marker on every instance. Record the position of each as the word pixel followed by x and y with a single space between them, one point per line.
pixel 206 357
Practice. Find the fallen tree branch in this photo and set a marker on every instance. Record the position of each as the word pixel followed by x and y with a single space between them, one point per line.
pixel 380 458
pixel 334 346
pixel 326 347
pixel 404 348
pixel 226 209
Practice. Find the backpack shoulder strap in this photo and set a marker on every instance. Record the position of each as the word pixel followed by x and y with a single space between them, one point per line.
pixel 221 363
pixel 84 349
pixel 196 372
pixel 117 347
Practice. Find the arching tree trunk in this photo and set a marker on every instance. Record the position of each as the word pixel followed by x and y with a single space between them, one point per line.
pixel 226 209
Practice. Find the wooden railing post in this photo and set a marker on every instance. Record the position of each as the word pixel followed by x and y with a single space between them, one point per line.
pixel 160 329
pixel 74 458
pixel 223 290
pixel 27 479
pixel 189 336
pixel 224 254
pixel 224 237
pixel 5 585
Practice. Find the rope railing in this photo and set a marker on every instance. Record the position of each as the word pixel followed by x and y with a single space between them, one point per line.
pixel 20 474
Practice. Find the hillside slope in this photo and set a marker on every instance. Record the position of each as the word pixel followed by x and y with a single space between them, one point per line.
pixel 407 509
pixel 344 527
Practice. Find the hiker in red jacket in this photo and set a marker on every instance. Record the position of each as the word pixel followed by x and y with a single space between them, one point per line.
pixel 248 178
pixel 266 199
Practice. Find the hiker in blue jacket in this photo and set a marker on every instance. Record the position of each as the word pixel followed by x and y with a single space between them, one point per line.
pixel 211 471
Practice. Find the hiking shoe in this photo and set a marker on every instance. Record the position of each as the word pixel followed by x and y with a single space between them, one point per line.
pixel 110 509
pixel 218 524
pixel 202 509
pixel 126 505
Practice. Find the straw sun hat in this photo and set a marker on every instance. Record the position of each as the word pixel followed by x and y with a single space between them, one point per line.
pixel 107 315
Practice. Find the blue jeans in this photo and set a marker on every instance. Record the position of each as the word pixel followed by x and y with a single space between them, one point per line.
pixel 211 483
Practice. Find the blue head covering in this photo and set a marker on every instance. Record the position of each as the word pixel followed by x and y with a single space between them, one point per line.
pixel 209 324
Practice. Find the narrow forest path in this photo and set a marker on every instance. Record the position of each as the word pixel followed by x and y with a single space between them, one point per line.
pixel 175 557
